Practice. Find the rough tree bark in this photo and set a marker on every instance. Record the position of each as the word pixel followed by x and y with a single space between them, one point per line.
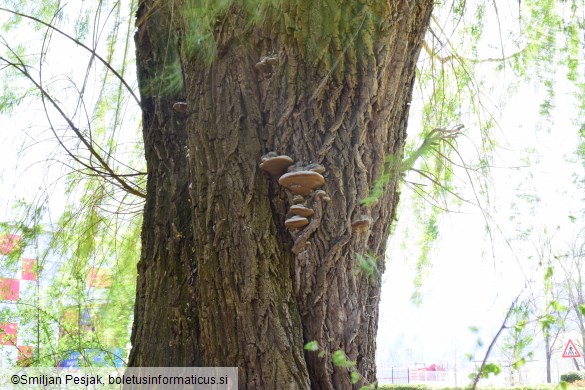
pixel 165 331
pixel 221 281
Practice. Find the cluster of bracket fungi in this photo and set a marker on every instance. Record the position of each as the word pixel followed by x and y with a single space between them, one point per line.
pixel 299 180
pixel 266 64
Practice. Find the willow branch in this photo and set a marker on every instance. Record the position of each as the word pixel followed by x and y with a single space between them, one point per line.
pixel 108 170
pixel 77 42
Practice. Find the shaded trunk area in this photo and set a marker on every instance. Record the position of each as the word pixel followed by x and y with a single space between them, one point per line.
pixel 166 326
pixel 221 281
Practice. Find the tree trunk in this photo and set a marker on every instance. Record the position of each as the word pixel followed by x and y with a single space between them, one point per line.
pixel 221 281
pixel 166 319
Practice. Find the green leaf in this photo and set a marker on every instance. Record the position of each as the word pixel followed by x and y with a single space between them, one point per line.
pixel 516 365
pixel 547 321
pixel 339 359
pixel 312 346
pixel 518 327
pixel 559 307
pixel 355 377
pixel 490 368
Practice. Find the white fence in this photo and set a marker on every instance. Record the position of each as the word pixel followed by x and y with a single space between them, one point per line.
pixel 533 372
pixel 389 375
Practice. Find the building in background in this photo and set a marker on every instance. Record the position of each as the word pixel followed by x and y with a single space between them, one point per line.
pixel 41 326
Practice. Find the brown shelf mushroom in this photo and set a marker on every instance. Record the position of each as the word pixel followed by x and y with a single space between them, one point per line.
pixel 323 195
pixel 180 107
pixel 276 165
pixel 297 199
pixel 266 64
pixel 272 61
pixel 299 209
pixel 296 167
pixel 296 222
pixel 302 182
pixel 263 67
pixel 315 168
pixel 268 156
pixel 362 223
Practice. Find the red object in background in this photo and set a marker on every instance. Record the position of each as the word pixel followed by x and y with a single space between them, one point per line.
pixel 25 355
pixel 571 351
pixel 29 269
pixel 432 367
pixel 8 333
pixel 9 289
pixel 435 367
pixel 8 242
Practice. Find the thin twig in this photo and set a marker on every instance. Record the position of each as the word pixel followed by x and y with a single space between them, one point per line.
pixel 77 42
pixel 489 350
pixel 21 67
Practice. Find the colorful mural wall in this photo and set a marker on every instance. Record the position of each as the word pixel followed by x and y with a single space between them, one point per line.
pixel 16 278
pixel 20 279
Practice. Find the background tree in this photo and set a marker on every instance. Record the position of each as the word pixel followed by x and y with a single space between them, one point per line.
pixel 552 314
pixel 572 267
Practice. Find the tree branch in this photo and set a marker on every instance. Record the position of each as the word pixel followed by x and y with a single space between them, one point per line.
pixel 21 67
pixel 93 52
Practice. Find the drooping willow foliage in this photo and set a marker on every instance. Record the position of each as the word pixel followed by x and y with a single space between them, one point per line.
pixel 477 56
pixel 69 93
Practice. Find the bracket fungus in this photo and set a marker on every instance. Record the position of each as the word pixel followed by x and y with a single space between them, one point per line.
pixel 323 195
pixel 362 223
pixel 180 107
pixel 275 165
pixel 296 167
pixel 301 182
pixel 272 60
pixel 299 209
pixel 296 222
pixel 315 168
pixel 268 156
pixel 266 64
pixel 297 199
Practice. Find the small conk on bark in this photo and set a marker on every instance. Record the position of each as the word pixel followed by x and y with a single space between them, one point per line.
pixel 323 195
pixel 275 165
pixel 301 210
pixel 361 224
pixel 180 107
pixel 266 64
pixel 301 182
pixel 298 199
pixel 296 222
pixel 296 167
pixel 315 168
pixel 268 156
